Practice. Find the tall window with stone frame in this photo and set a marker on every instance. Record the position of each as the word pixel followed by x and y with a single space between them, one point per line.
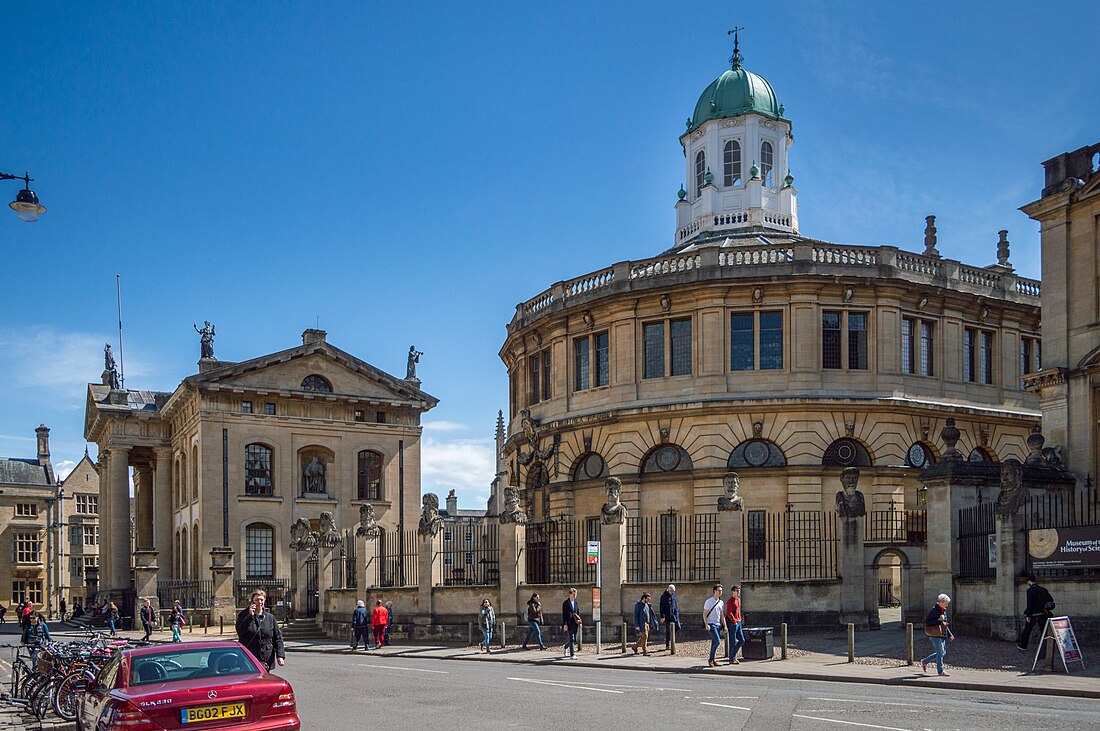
pixel 653 346
pixel 538 377
pixel 700 172
pixel 978 355
pixel 1030 357
pixel 731 164
pixel 26 548
pixel 87 504
pixel 668 537
pixel 591 366
pixel 756 341
pixel 369 475
pixel 756 535
pixel 679 342
pixel 844 333
pixel 767 162
pixel 258 479
pixel 830 339
pixel 916 346
pixel 91 535
pixel 857 341
pixel 26 589
pixel 259 551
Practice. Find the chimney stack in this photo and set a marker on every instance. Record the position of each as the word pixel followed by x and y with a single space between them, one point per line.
pixel 313 335
pixel 43 433
pixel 452 503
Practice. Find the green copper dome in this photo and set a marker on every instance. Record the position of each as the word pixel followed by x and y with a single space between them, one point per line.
pixel 734 93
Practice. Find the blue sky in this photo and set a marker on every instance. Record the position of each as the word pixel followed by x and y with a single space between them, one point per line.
pixel 408 174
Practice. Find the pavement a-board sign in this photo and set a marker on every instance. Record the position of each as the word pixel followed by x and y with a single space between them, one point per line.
pixel 1060 629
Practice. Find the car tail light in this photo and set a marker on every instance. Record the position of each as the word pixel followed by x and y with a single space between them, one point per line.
pixel 128 716
pixel 285 702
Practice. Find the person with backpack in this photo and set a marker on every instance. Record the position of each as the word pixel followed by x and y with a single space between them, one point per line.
pixel 644 621
pixel 1040 607
pixel 534 621
pixel 714 620
pixel 38 634
pixel 359 626
pixel 487 620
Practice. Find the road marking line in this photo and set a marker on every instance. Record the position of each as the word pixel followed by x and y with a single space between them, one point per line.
pixel 723 697
pixel 395 667
pixel 877 703
pixel 722 705
pixel 565 685
pixel 636 687
pixel 849 723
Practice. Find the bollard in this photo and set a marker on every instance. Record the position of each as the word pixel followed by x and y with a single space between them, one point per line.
pixel 191 624
pixel 503 630
pixel 672 637
pixel 851 642
pixel 726 642
pixel 580 637
pixel 909 642
pixel 783 641
pixel 622 636
pixel 469 634
pixel 206 625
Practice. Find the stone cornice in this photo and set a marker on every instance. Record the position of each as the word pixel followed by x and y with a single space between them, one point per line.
pixel 1046 378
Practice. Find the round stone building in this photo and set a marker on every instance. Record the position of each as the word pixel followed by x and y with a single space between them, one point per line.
pixel 747 346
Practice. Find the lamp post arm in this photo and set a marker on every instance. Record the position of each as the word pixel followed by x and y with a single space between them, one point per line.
pixel 26 178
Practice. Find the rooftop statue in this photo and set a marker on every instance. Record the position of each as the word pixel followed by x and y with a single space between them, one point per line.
pixel 206 342
pixel 410 366
pixel 110 369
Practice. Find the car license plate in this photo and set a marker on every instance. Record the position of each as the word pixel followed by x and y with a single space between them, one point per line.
pixel 212 713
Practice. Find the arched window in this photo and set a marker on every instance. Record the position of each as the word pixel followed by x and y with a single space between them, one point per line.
pixel 259 551
pixel 183 479
pixel 195 472
pixel 731 164
pixel 185 563
pixel 589 466
pixel 317 383
pixel 257 470
pixel 177 495
pixel 980 454
pixel 757 453
pixel 179 556
pixel 846 453
pixel 195 551
pixel 700 170
pixel 666 458
pixel 370 475
pixel 767 161
pixel 920 455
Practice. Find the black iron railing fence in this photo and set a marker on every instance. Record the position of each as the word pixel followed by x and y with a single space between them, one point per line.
pixel 471 557
pixel 191 593
pixel 790 545
pixel 896 526
pixel 277 590
pixel 396 565
pixel 670 547
pixel 554 552
pixel 976 529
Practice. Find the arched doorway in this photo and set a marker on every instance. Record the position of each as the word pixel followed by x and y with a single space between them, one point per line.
pixel 895 588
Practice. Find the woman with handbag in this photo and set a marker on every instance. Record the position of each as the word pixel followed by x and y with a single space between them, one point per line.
pixel 534 621
pixel 935 626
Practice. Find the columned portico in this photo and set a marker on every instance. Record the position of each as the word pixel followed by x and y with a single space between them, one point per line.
pixel 116 519
pixel 162 509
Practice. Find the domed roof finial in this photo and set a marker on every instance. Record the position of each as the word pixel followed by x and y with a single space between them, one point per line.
pixel 735 59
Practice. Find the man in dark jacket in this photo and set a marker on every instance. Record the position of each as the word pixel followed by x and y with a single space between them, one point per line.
pixel 360 624
pixel 644 621
pixel 148 615
pixel 670 613
pixel 258 631
pixel 570 616
pixel 1040 606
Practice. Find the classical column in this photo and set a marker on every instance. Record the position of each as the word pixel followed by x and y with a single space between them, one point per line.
pixel 143 508
pixel 103 520
pixel 162 509
pixel 513 570
pixel 118 521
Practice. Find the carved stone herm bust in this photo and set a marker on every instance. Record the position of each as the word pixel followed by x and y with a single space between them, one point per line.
pixel 431 522
pixel 613 511
pixel 849 501
pixel 329 535
pixel 1013 493
pixel 512 512
pixel 368 523
pixel 302 538
pixel 731 500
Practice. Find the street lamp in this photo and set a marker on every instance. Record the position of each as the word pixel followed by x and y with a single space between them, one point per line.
pixel 26 203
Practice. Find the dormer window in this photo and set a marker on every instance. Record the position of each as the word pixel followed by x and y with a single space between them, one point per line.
pixel 767 161
pixel 700 171
pixel 731 164
pixel 316 383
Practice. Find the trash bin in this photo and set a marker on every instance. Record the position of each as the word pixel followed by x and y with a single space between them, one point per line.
pixel 758 643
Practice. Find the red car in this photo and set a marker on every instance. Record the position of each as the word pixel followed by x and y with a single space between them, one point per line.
pixel 193 685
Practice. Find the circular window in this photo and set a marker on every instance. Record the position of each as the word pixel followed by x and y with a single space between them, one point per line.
pixel 845 452
pixel 757 453
pixel 592 467
pixel 918 457
pixel 668 458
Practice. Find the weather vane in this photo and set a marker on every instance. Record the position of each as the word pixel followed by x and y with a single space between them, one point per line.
pixel 735 59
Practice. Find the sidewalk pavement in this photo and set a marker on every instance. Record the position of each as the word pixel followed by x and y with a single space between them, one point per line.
pixel 808 666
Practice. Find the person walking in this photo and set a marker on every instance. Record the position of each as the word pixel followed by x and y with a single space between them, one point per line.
pixel 714 620
pixel 487 619
pixel 1040 607
pixel 670 613
pixel 379 620
pixel 644 621
pixel 176 620
pixel 3 611
pixel 258 631
pixel 939 633
pixel 734 624
pixel 38 634
pixel 534 621
pixel 147 617
pixel 63 606
pixel 25 610
pixel 570 623
pixel 112 619
pixel 389 621
pixel 359 626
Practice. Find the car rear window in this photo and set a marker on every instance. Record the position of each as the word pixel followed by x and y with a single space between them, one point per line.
pixel 183 664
